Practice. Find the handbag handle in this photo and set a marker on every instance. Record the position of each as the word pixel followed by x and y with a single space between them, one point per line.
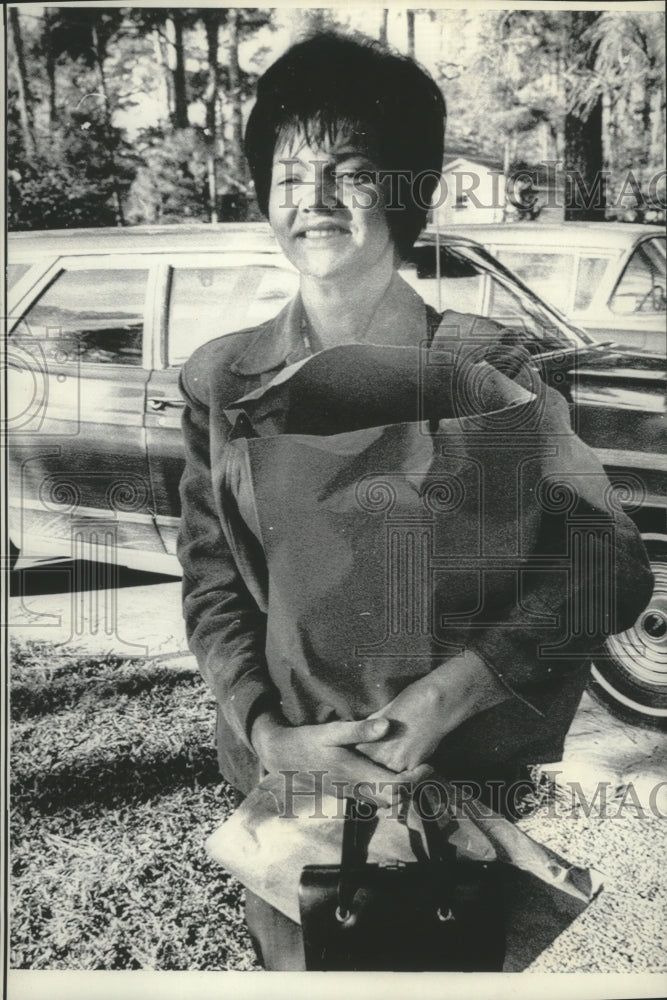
pixel 357 832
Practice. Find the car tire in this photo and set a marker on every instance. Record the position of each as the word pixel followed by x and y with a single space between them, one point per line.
pixel 631 678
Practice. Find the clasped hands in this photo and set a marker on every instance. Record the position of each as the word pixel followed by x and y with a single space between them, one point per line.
pixel 392 746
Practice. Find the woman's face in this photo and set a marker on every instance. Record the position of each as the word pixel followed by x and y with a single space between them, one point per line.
pixel 326 210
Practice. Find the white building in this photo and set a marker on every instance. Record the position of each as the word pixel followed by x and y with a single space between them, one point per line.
pixel 472 190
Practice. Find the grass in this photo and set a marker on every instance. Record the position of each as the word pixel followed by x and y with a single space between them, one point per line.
pixel 114 788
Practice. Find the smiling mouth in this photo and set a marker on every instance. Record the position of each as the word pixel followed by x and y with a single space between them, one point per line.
pixel 324 234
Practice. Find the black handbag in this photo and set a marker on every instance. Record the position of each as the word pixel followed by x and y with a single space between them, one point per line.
pixel 438 914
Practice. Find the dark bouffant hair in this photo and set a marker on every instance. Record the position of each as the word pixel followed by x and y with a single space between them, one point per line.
pixel 329 81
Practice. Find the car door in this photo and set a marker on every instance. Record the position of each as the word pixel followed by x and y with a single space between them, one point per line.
pixel 615 294
pixel 78 368
pixel 203 296
pixel 635 314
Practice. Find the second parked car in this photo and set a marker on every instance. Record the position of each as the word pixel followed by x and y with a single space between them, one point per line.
pixel 607 277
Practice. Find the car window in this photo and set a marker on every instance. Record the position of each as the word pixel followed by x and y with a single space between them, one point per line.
pixel 101 311
pixel 589 274
pixel 503 305
pixel 461 285
pixel 549 274
pixel 207 302
pixel 16 271
pixel 641 288
pixel 521 324
pixel 472 282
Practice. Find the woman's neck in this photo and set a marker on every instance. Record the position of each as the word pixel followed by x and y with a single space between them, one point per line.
pixel 342 314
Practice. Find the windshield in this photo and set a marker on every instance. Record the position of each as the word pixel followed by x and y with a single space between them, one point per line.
pixel 467 279
pixel 15 271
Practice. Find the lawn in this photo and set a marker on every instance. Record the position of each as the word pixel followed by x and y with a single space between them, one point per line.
pixel 114 788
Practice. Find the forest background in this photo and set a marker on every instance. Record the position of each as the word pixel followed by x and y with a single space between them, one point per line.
pixel 128 115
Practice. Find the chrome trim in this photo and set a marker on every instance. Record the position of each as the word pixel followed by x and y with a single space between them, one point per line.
pixel 655 713
pixel 650 461
pixel 98 513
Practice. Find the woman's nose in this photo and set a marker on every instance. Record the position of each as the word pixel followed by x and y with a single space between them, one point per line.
pixel 322 194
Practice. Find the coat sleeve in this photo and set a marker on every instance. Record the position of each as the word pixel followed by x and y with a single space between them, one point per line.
pixel 591 578
pixel 600 578
pixel 224 626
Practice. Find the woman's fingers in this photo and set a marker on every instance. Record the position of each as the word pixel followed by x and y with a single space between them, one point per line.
pixel 365 779
pixel 417 774
pixel 397 755
pixel 360 731
pixel 329 748
pixel 389 755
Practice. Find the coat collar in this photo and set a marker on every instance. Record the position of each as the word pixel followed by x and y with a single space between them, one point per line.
pixel 278 342
pixel 400 320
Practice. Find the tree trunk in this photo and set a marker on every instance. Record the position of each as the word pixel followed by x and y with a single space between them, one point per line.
pixel 610 130
pixel 212 26
pixel 656 158
pixel 383 25
pixel 24 97
pixel 162 58
pixel 585 186
pixel 507 161
pixel 50 66
pixel 180 88
pixel 238 164
pixel 99 59
pixel 410 17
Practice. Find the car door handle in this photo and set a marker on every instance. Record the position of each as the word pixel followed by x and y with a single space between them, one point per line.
pixel 161 403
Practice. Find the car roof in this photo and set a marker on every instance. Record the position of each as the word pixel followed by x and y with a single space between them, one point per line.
pixel 205 233
pixel 248 237
pixel 612 235
pixel 134 239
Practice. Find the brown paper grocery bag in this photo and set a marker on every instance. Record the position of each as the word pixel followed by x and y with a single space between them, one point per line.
pixel 271 837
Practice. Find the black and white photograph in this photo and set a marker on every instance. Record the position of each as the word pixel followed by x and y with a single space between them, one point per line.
pixel 334 533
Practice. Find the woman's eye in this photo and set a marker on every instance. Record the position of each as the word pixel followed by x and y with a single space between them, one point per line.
pixel 289 181
pixel 350 175
pixel 356 175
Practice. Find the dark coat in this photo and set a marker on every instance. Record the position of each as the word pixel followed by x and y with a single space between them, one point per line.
pixel 249 647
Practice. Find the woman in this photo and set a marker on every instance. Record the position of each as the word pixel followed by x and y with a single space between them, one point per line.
pixel 345 145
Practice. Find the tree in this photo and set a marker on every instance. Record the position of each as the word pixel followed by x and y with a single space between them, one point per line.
pixel 531 73
pixel 216 81
pixel 585 186
pixel 520 82
pixel 82 166
pixel 238 86
pixel 50 54
pixel 24 101
pixel 70 184
pixel 234 94
pixel 410 22
pixel 85 33
pixel 383 25
pixel 212 19
pixel 171 180
pixel 629 79
pixel 171 27
pixel 177 19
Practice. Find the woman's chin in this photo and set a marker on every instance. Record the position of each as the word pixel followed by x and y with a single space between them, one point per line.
pixel 325 266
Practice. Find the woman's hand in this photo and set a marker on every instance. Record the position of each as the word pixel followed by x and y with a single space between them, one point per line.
pixel 432 706
pixel 329 747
